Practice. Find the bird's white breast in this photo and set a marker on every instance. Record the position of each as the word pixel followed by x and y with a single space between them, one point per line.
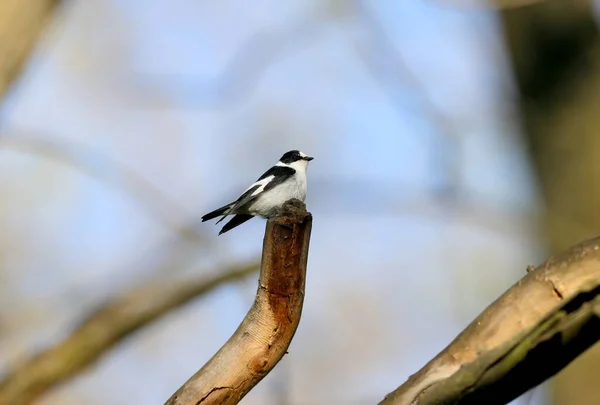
pixel 270 202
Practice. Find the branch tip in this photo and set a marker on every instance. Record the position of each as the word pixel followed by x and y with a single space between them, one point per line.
pixel 264 335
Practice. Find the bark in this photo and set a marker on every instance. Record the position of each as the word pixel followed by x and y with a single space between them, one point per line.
pixel 104 329
pixel 264 335
pixel 532 331
pixel 554 49
pixel 21 23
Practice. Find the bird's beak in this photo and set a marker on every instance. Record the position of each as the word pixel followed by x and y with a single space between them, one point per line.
pixel 308 158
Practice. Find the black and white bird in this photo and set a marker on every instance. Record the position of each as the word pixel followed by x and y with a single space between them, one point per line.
pixel 265 198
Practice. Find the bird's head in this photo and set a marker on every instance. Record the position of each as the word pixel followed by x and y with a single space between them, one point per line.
pixel 296 160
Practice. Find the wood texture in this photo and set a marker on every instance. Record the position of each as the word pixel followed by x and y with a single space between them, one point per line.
pixel 554 50
pixel 264 335
pixel 557 300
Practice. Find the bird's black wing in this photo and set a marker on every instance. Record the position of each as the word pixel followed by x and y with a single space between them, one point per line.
pixel 218 212
pixel 243 199
pixel 280 173
pixel 235 221
pixel 277 171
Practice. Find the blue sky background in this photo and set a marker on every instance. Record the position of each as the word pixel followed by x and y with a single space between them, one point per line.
pixel 397 267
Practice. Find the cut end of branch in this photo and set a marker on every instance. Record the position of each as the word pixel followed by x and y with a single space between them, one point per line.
pixel 267 330
pixel 292 211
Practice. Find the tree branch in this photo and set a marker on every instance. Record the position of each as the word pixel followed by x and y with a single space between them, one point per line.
pixel 530 333
pixel 238 78
pixel 390 69
pixel 264 335
pixel 498 4
pixel 102 330
pixel 21 22
pixel 113 173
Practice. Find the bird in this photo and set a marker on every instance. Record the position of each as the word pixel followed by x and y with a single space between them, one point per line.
pixel 266 196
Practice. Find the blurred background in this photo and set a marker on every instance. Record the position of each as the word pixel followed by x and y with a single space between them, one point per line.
pixel 455 143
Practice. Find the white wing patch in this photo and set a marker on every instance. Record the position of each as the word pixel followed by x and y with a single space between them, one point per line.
pixel 262 184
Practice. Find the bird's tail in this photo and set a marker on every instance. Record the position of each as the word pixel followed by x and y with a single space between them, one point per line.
pixel 217 213
pixel 235 221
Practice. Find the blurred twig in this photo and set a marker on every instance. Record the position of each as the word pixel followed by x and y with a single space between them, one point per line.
pixel 95 163
pixel 21 23
pixel 105 328
pixel 387 66
pixel 252 59
pixel 391 70
pixel 241 74
pixel 497 4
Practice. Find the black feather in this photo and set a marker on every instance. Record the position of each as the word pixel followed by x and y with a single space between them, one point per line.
pixel 216 213
pixel 291 157
pixel 235 221
pixel 278 171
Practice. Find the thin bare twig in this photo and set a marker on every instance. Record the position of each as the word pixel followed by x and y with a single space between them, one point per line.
pixel 241 74
pixel 105 328
pixel 21 23
pixel 94 163
pixel 496 4
pixel 388 67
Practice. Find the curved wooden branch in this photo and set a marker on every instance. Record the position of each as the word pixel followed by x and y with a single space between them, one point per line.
pixel 531 332
pixel 264 335
pixel 104 329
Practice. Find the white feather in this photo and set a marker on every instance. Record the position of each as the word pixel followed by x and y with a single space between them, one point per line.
pixel 270 202
pixel 262 184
